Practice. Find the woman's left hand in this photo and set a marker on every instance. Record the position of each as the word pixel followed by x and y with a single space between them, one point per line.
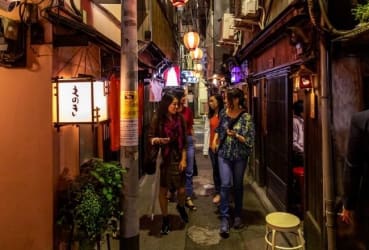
pixel 231 133
pixel 182 166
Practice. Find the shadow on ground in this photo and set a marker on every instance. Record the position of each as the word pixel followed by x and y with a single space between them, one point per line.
pixel 153 226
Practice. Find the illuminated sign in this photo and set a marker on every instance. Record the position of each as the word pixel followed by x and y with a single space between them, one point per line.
pixel 188 76
pixel 172 76
pixel 79 101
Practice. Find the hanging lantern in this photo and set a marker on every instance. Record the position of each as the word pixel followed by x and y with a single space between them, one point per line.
pixel 197 67
pixel 196 54
pixel 191 40
pixel 178 3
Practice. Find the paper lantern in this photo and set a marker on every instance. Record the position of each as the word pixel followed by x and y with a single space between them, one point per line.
pixel 191 40
pixel 196 54
pixel 178 3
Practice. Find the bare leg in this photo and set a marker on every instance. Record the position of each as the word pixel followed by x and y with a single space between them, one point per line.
pixel 181 196
pixel 163 201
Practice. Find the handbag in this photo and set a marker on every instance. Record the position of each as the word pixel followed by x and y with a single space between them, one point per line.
pixel 150 159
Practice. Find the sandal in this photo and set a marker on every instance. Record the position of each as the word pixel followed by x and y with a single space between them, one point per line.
pixel 216 199
pixel 190 204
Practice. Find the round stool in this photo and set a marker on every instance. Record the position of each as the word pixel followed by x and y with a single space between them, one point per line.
pixel 281 222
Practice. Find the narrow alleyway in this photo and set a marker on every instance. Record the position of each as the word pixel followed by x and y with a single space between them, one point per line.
pixel 202 231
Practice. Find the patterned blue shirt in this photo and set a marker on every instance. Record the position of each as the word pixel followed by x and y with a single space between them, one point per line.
pixel 231 148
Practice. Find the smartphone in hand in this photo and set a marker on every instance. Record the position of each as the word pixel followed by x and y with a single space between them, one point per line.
pixel 165 140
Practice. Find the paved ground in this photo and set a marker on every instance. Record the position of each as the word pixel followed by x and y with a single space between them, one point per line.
pixel 202 232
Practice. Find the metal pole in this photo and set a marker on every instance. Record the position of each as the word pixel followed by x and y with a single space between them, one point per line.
pixel 129 236
pixel 328 190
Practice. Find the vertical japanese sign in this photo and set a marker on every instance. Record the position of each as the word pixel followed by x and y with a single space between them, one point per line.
pixel 72 102
pixel 129 118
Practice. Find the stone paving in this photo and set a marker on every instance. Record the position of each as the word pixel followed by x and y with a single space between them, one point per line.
pixel 202 231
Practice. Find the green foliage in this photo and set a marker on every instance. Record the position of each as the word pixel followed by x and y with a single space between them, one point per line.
pixel 87 204
pixel 361 12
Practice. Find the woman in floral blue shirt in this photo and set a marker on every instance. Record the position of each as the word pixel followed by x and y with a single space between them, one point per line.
pixel 234 140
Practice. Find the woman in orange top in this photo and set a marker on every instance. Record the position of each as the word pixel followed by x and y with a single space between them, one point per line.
pixel 216 105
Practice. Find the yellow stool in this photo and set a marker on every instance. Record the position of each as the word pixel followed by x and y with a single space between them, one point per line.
pixel 286 223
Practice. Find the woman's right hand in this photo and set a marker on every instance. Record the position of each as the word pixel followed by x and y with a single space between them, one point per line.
pixel 164 140
pixel 159 140
pixel 214 147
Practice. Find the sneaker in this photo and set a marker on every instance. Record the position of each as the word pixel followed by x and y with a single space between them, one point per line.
pixel 165 228
pixel 238 224
pixel 182 212
pixel 190 205
pixel 216 199
pixel 224 228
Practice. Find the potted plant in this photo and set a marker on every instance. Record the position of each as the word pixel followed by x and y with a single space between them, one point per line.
pixel 88 204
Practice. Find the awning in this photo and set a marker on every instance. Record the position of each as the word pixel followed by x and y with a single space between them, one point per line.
pixel 150 55
pixel 78 33
pixel 75 33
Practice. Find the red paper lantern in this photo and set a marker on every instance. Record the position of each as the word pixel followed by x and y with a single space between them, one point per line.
pixel 179 3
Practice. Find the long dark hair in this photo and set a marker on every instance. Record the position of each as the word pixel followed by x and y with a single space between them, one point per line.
pixel 179 92
pixel 220 101
pixel 166 100
pixel 234 93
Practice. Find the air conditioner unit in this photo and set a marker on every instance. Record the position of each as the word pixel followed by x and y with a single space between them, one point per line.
pixel 249 7
pixel 12 43
pixel 227 30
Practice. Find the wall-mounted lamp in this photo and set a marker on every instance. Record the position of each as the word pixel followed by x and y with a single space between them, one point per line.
pixel 304 78
pixel 217 80
pixel 79 100
pixel 191 40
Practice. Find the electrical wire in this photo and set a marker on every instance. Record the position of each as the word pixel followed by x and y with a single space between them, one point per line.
pixel 329 28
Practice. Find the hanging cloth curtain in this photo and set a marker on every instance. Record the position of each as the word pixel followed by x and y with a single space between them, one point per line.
pixel 114 107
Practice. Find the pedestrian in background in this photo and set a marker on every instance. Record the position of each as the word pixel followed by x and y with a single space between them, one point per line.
pixel 298 134
pixel 234 139
pixel 187 114
pixel 168 129
pixel 356 178
pixel 216 105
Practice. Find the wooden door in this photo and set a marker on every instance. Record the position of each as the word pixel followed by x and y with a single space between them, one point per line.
pixel 256 112
pixel 278 139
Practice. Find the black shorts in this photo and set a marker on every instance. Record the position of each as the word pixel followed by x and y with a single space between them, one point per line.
pixel 170 177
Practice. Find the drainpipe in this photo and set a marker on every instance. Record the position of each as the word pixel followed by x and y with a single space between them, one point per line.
pixel 328 190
